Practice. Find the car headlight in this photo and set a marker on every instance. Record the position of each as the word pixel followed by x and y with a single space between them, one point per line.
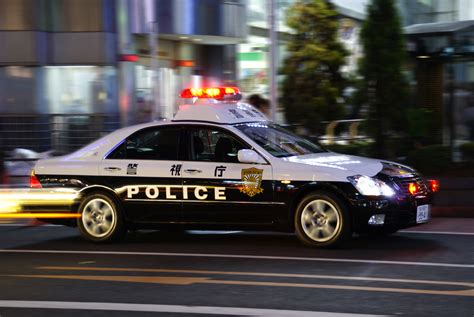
pixel 369 186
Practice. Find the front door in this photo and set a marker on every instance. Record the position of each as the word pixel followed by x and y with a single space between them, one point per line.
pixel 222 190
pixel 146 172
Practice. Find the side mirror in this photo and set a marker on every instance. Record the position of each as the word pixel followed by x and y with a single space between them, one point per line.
pixel 250 156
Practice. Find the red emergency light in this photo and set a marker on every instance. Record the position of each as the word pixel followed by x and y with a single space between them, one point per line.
pixel 220 93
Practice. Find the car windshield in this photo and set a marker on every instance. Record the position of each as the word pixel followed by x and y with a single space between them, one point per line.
pixel 278 141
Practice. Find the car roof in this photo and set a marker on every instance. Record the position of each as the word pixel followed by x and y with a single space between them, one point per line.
pixel 218 112
pixel 199 111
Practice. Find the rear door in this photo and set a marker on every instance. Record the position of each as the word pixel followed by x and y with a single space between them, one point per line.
pixel 221 190
pixel 146 171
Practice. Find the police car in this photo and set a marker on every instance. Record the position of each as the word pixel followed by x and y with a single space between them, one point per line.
pixel 221 164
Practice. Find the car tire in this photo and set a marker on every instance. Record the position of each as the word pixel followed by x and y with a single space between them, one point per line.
pixel 322 220
pixel 101 218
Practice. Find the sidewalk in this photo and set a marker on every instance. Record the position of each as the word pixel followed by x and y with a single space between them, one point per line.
pixel 455 198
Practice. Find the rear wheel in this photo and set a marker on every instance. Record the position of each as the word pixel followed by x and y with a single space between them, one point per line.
pixel 101 219
pixel 321 220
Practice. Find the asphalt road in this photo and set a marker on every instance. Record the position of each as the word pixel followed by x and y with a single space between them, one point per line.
pixel 51 271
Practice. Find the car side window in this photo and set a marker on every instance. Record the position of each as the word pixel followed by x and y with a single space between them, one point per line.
pixel 214 145
pixel 150 144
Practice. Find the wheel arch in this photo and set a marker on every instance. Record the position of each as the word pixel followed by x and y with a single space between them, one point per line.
pixel 98 188
pixel 101 189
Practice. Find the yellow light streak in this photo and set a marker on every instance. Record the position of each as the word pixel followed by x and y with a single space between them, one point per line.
pixel 49 215
pixel 38 196
pixel 13 202
pixel 9 206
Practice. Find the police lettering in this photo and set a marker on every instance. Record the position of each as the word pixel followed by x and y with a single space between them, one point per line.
pixel 132 191
pixel 200 192
pixel 152 192
pixel 170 192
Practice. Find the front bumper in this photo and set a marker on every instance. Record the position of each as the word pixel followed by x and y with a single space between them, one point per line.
pixel 398 212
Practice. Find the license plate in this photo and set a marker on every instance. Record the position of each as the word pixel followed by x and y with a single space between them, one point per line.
pixel 422 213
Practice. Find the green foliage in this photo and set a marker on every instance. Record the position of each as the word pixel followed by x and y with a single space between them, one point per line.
pixel 467 150
pixel 431 159
pixel 313 83
pixel 420 124
pixel 385 86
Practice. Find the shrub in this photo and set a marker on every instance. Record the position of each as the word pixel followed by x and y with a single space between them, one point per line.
pixel 467 151
pixel 362 149
pixel 431 159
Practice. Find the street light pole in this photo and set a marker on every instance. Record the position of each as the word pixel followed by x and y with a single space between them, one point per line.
pixel 273 57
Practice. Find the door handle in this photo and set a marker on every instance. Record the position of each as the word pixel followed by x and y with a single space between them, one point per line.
pixel 112 169
pixel 193 171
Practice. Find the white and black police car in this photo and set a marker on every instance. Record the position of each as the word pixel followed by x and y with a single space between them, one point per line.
pixel 221 164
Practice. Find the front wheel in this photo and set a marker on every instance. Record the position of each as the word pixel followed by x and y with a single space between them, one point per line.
pixel 322 220
pixel 101 220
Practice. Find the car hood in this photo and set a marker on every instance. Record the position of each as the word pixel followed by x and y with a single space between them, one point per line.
pixel 336 166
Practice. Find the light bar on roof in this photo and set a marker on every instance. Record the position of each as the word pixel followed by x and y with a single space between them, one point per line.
pixel 219 93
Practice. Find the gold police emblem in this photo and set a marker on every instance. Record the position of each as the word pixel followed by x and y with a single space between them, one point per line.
pixel 252 181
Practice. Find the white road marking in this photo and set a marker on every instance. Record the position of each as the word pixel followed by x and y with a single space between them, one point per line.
pixel 241 256
pixel 438 232
pixel 208 310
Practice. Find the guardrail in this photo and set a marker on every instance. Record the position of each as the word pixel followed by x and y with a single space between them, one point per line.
pixel 349 133
pixel 352 134
pixel 58 133
pixel 61 133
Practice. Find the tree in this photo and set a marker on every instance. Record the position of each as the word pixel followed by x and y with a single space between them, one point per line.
pixel 313 84
pixel 385 85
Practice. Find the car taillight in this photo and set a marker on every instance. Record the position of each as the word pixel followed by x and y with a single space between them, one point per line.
pixel 34 182
pixel 434 185
pixel 413 188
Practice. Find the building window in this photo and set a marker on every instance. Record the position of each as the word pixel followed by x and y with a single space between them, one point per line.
pixel 81 89
pixel 18 15
pixel 81 16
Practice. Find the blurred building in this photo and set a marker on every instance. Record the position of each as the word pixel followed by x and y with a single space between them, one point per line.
pixel 57 57
pixel 440 40
pixel 429 11
pixel 73 69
